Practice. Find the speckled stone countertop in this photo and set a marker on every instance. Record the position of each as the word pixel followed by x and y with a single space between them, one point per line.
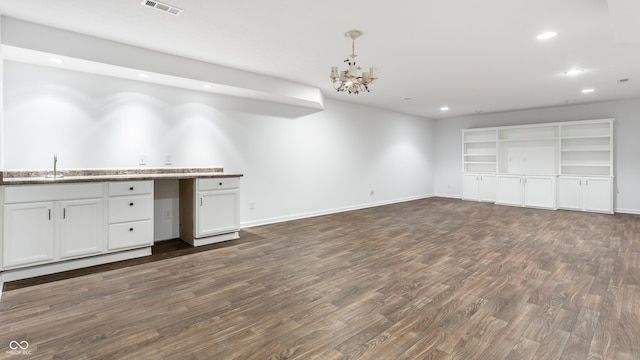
pixel 24 177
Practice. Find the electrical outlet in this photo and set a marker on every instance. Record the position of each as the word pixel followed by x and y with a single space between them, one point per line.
pixel 167 214
pixel 142 159
pixel 371 192
pixel 168 159
pixel 252 205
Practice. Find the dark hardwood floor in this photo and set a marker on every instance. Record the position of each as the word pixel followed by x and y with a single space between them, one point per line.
pixel 428 279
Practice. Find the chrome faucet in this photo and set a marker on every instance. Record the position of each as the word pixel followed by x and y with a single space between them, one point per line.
pixel 55 174
pixel 55 165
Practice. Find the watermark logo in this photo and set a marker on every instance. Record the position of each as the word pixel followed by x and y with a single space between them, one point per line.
pixel 23 345
pixel 20 348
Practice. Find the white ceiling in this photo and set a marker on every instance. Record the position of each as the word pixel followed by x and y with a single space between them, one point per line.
pixel 470 55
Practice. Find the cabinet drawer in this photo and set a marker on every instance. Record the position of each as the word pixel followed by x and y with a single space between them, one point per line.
pixel 52 192
pixel 130 235
pixel 120 188
pixel 130 208
pixel 218 183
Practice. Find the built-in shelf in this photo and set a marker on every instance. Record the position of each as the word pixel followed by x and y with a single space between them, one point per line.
pixel 480 136
pixel 531 159
pixel 586 148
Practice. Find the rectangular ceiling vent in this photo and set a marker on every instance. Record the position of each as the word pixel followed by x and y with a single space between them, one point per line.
pixel 162 7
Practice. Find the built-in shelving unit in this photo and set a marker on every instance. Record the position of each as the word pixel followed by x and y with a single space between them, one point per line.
pixel 479 151
pixel 530 150
pixel 587 149
pixel 532 159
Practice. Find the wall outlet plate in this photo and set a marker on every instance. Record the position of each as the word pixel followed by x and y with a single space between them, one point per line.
pixel 142 159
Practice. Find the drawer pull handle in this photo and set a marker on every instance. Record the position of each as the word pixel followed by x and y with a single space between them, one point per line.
pixel 130 229
pixel 131 188
pixel 49 214
pixel 130 204
pixel 64 213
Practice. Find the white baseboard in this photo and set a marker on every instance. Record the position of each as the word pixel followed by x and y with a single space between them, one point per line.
pixel 628 211
pixel 448 196
pixel 280 219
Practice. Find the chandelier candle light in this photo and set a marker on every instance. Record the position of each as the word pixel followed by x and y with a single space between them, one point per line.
pixel 349 80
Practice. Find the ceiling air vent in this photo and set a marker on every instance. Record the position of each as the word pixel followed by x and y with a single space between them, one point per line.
pixel 162 7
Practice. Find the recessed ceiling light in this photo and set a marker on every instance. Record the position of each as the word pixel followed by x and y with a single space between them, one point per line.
pixel 585 91
pixel 546 35
pixel 143 75
pixel 56 60
pixel 573 72
pixel 407 99
pixel 444 108
pixel 570 101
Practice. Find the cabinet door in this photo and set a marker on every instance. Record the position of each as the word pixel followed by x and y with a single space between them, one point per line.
pixel 487 188
pixel 470 187
pixel 217 212
pixel 570 193
pixel 81 227
pixel 27 234
pixel 540 192
pixel 598 194
pixel 509 190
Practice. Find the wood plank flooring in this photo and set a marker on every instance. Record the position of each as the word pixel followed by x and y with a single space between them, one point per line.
pixel 428 279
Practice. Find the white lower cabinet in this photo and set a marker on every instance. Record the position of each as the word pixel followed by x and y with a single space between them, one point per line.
pixel 49 223
pixel 209 210
pixel 510 190
pixel 479 187
pixel 28 234
pixel 586 193
pixel 529 191
pixel 81 228
pixel 216 212
pixel 130 214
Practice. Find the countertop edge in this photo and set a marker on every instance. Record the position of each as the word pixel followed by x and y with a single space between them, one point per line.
pixel 105 178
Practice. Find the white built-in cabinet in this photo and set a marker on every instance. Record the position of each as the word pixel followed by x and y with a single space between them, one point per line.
pixel 130 214
pixel 566 165
pixel 81 228
pixel 48 223
pixel 479 187
pixel 585 193
pixel 28 234
pixel 52 223
pixel 530 191
pixel 209 210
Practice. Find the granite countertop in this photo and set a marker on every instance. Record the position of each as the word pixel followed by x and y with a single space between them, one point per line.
pixel 24 177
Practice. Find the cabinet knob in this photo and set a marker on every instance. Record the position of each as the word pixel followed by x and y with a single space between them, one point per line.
pixel 130 229
pixel 131 188
pixel 220 183
pixel 130 204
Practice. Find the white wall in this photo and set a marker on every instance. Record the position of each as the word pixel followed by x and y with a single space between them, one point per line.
pixel 296 162
pixel 448 170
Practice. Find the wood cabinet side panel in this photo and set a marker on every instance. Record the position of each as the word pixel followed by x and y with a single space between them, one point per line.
pixel 187 216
